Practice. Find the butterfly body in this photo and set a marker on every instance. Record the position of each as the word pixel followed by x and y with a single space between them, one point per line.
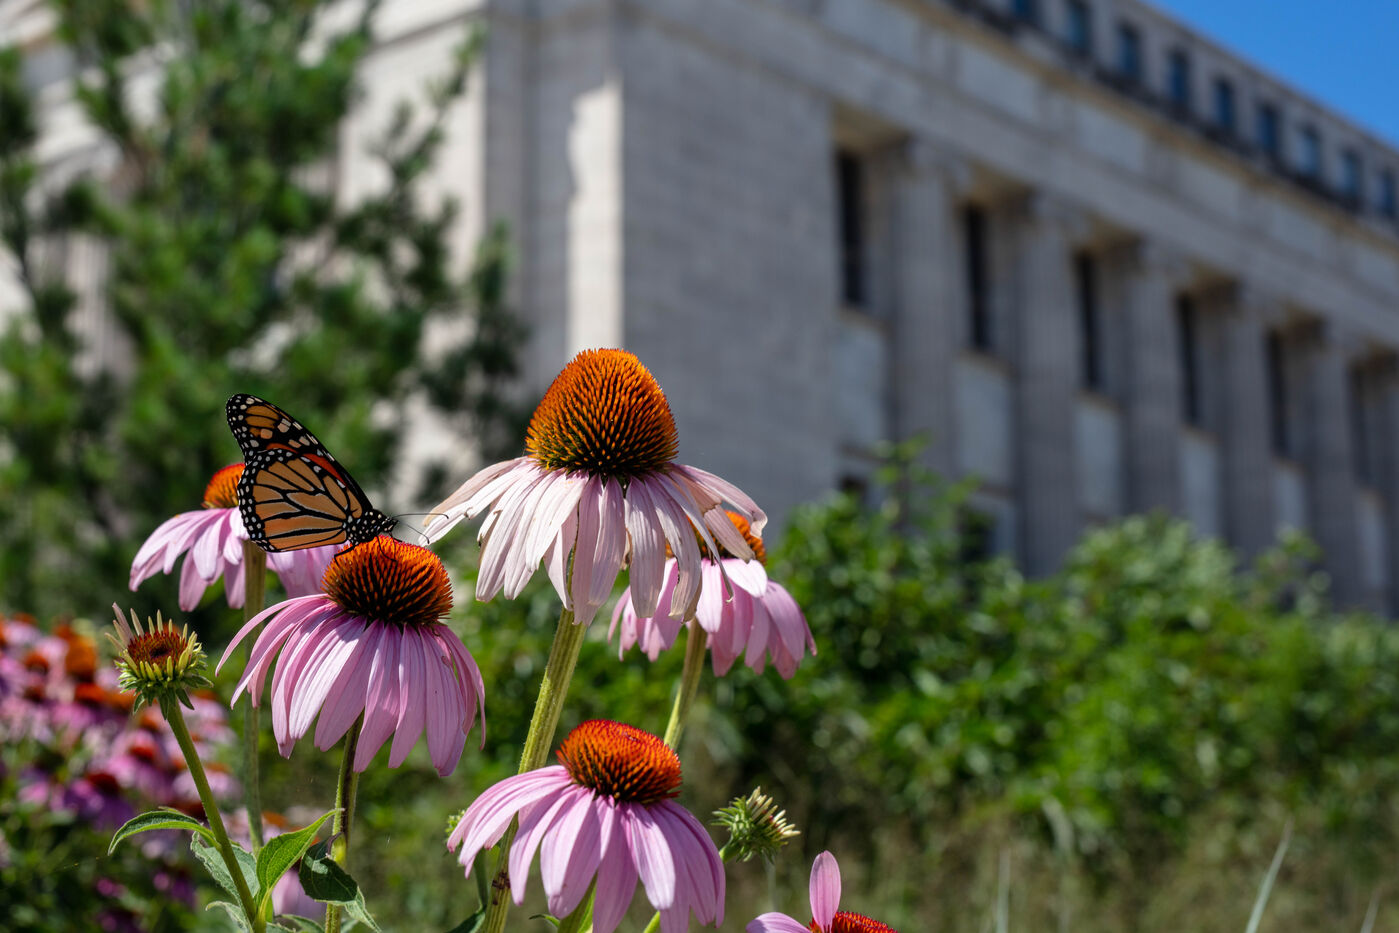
pixel 293 494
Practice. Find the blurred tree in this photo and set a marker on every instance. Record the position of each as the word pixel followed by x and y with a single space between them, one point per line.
pixel 229 264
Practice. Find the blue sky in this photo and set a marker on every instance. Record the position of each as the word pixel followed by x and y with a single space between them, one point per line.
pixel 1344 53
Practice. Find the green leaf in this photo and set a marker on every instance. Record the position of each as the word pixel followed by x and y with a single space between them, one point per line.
pixel 281 853
pixel 325 880
pixel 471 924
pixel 164 818
pixel 296 924
pixel 209 855
pixel 234 911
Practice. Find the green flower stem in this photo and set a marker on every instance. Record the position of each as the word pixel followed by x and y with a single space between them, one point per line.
pixel 558 671
pixel 254 595
pixel 176 719
pixel 581 919
pixel 696 640
pixel 345 789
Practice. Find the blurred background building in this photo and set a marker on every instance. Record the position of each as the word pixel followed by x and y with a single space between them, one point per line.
pixel 1099 262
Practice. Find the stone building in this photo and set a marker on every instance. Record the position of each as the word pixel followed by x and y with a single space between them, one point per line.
pixel 1103 264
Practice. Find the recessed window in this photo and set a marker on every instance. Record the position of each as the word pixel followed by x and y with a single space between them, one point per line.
pixel 1363 452
pixel 1090 323
pixel 1178 79
pixel 1351 179
pixel 1224 105
pixel 1188 345
pixel 850 207
pixel 1279 399
pixel 1270 130
pixel 1129 53
pixel 1079 33
pixel 1309 153
pixel 978 278
pixel 1389 195
pixel 1027 11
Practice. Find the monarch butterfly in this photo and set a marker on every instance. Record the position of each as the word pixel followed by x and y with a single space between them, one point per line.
pixel 293 494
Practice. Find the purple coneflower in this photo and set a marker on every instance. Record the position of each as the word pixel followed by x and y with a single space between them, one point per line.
pixel 825 898
pixel 606 812
pixel 761 621
pixel 213 538
pixel 371 644
pixel 598 480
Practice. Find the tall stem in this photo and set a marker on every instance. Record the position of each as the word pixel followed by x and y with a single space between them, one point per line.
pixel 254 595
pixel 340 824
pixel 696 640
pixel 176 719
pixel 558 671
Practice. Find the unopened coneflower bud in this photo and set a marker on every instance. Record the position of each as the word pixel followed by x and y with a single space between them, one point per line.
pixel 756 826
pixel 158 662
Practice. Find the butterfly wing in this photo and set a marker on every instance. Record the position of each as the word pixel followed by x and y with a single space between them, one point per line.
pixel 293 493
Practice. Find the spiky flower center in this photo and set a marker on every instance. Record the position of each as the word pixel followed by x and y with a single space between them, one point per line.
pixel 222 491
pixel 604 415
pixel 391 581
pixel 621 761
pixel 157 662
pixel 845 922
pixel 156 647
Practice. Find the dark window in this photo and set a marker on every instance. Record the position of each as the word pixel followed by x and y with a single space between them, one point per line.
pixel 1309 159
pixel 1027 11
pixel 1278 401
pixel 1269 131
pixel 1350 175
pixel 1129 53
pixel 1080 28
pixel 1090 324
pixel 1178 79
pixel 1362 444
pixel 1224 105
pixel 850 196
pixel 1188 339
pixel 978 296
pixel 1389 197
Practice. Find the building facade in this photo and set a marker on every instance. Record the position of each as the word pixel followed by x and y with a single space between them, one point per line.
pixel 1102 264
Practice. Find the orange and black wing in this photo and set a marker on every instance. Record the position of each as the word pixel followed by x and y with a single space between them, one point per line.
pixel 293 493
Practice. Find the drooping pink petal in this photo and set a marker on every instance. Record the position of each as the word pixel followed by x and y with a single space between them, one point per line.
pixel 233 578
pixel 616 873
pixel 556 557
pixel 611 543
pixel 459 504
pixel 749 575
pixel 192 585
pixel 468 677
pixel 381 702
pixel 648 558
pixel 825 889
pixel 727 491
pixel 485 821
pixel 685 548
pixel 651 855
pixel 502 540
pixel 774 923
pixel 325 669
pixel 412 697
pixel 589 511
pixel 292 607
pixel 569 856
pixel 345 700
pixel 535 824
pixel 696 851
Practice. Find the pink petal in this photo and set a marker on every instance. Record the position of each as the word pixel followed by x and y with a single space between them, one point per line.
pixel 686 550
pixel 535 824
pixel 501 541
pixel 412 697
pixel 774 923
pixel 233 588
pixel 825 889
pixel 616 875
pixel 748 575
pixel 726 490
pixel 589 516
pixel 648 558
pixel 711 609
pixel 490 813
pixel 381 702
pixel 454 508
pixel 611 543
pixel 651 855
pixel 569 857
pixel 292 607
pixel 345 700
pixel 209 546
pixel 192 585
pixel 324 670
pixel 447 706
pixel 468 679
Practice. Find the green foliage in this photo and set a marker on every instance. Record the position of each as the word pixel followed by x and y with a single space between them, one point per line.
pixel 228 263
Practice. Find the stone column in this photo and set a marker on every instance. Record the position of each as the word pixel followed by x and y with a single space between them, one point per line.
pixel 1387 435
pixel 1244 421
pixel 1152 377
pixel 1329 461
pixel 1046 354
pixel 928 315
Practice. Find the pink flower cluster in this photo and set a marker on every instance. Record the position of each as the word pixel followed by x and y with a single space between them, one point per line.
pixel 81 750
